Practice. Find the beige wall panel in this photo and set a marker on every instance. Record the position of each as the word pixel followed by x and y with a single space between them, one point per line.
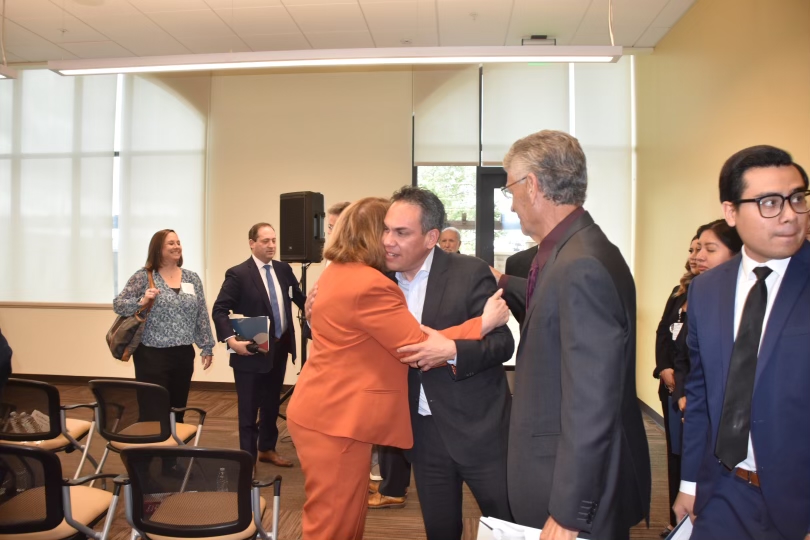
pixel 730 74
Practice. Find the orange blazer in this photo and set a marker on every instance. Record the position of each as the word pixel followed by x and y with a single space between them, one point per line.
pixel 353 384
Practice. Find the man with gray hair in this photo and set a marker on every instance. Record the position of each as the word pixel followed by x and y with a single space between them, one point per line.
pixel 578 460
pixel 450 240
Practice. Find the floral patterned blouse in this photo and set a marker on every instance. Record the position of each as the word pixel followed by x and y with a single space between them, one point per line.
pixel 176 318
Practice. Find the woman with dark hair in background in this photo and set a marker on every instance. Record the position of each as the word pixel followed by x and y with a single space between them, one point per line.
pixel 178 318
pixel 665 367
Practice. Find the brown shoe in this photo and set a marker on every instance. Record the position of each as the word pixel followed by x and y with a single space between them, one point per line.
pixel 373 486
pixel 271 456
pixel 378 500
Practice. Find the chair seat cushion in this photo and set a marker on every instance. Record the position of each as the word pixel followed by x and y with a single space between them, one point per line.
pixel 87 504
pixel 202 508
pixel 184 431
pixel 76 428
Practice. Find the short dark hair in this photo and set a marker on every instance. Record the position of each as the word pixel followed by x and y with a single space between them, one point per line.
pixel 725 233
pixel 253 233
pixel 732 183
pixel 154 257
pixel 338 208
pixel 433 215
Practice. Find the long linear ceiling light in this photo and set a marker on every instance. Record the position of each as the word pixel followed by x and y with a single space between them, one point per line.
pixel 7 73
pixel 336 57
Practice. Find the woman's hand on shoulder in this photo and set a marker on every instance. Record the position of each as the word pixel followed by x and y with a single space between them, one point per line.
pixel 148 296
pixel 496 313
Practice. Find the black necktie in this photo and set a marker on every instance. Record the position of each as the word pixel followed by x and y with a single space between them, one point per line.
pixel 735 422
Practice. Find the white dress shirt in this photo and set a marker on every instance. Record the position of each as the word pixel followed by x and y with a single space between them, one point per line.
pixel 279 292
pixel 415 291
pixel 746 278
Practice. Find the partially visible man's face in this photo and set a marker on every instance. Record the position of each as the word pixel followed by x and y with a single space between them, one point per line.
pixel 516 177
pixel 264 247
pixel 769 238
pixel 450 241
pixel 406 247
pixel 331 219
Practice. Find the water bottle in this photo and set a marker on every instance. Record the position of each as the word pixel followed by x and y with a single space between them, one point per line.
pixel 222 480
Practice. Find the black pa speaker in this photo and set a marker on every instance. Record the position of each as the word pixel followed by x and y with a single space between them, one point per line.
pixel 301 235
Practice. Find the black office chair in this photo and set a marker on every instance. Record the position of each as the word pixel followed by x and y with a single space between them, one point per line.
pixel 31 414
pixel 131 414
pixel 36 502
pixel 216 498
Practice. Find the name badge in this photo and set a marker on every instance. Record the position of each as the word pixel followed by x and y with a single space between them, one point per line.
pixel 675 328
pixel 187 288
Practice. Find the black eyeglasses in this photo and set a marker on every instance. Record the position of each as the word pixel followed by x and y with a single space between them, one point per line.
pixel 505 189
pixel 772 205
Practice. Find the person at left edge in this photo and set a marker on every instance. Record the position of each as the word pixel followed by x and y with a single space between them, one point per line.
pixel 258 287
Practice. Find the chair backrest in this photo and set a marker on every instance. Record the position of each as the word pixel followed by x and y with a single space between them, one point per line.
pixel 30 490
pixel 29 411
pixel 132 412
pixel 211 495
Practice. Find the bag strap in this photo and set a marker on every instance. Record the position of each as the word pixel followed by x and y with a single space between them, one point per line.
pixel 144 309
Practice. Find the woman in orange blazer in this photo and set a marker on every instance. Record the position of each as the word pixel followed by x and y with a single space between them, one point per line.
pixel 353 392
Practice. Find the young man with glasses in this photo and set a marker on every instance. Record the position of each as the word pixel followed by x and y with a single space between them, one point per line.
pixel 745 466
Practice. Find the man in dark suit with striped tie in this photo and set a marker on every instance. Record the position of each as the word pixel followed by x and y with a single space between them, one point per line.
pixel 258 287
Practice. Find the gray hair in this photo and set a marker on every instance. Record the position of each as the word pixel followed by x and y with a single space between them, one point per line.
pixel 453 229
pixel 433 215
pixel 558 162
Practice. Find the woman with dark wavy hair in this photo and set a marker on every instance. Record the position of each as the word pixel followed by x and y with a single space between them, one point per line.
pixel 353 392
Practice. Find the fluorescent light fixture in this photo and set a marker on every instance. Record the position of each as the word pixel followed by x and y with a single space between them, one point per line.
pixel 7 73
pixel 336 57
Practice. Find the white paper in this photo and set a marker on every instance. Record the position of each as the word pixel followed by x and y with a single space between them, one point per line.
pixel 187 288
pixel 497 529
pixel 683 531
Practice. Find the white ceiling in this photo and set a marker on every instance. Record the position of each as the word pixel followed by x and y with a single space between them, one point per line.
pixel 39 30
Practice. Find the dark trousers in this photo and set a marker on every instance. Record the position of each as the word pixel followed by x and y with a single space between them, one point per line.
pixel 673 461
pixel 736 511
pixel 439 481
pixel 395 471
pixel 171 368
pixel 259 393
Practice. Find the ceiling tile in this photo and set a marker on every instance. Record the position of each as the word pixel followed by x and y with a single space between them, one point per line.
pixel 329 18
pixel 95 8
pixel 30 46
pixel 557 19
pixel 263 20
pixel 417 38
pixel 630 19
pixel 651 37
pixel 672 12
pixel 64 29
pixel 191 23
pixel 11 58
pixel 138 34
pixel 236 4
pixel 399 15
pixel 31 9
pixel 473 22
pixel 214 44
pixel 156 6
pixel 278 42
pixel 97 49
pixel 340 40
pixel 316 2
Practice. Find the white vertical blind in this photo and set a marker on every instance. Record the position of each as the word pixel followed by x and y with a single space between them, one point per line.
pixel 520 99
pixel 445 105
pixel 162 182
pixel 603 127
pixel 56 160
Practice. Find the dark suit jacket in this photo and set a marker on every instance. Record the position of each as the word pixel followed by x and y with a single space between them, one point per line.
pixel 5 362
pixel 243 292
pixel 664 346
pixel 520 263
pixel 780 423
pixel 577 446
pixel 471 409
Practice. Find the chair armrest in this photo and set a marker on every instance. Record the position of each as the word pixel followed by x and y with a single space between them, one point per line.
pixel 199 411
pixel 91 406
pixel 259 483
pixel 88 478
pixel 121 480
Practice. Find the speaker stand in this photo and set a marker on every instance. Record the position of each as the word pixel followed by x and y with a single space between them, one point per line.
pixel 302 321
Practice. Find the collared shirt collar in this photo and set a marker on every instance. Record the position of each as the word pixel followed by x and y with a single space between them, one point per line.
pixel 423 271
pixel 779 266
pixel 259 263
